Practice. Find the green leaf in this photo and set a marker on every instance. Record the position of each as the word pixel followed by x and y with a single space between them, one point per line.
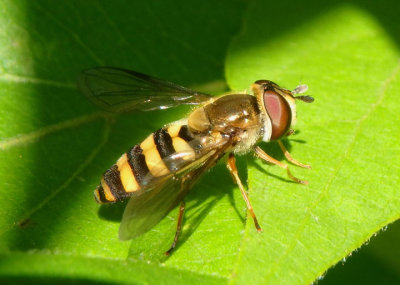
pixel 54 145
pixel 350 61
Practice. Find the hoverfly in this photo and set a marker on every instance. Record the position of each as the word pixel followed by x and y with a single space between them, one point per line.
pixel 157 173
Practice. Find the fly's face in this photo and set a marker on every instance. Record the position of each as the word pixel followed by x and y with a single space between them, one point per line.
pixel 278 107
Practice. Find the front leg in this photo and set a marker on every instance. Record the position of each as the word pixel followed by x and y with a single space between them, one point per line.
pixel 261 154
pixel 290 158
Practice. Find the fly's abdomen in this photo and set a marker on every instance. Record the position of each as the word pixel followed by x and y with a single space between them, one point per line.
pixel 161 153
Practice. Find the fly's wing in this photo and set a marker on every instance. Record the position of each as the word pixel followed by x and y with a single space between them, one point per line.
pixel 122 90
pixel 144 211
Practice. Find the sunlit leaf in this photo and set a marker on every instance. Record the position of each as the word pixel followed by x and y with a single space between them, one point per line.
pixel 54 145
pixel 348 135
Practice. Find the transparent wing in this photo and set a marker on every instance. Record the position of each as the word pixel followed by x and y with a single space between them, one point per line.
pixel 122 90
pixel 144 211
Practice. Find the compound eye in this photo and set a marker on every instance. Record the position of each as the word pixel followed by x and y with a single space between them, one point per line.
pixel 279 111
pixel 262 82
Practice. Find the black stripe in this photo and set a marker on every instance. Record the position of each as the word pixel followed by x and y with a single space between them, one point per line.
pixel 185 134
pixel 163 142
pixel 102 196
pixel 113 180
pixel 255 105
pixel 137 162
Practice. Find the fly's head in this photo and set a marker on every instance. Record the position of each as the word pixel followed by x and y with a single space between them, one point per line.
pixel 278 105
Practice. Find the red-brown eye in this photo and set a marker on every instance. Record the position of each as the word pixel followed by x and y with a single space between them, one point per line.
pixel 279 112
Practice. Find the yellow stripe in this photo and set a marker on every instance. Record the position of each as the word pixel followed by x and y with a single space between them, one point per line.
pixel 156 166
pixel 128 180
pixel 122 160
pixel 97 196
pixel 153 159
pixel 107 191
pixel 181 146
pixel 148 143
pixel 173 130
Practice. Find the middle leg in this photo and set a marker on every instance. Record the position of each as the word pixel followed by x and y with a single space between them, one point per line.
pixel 233 170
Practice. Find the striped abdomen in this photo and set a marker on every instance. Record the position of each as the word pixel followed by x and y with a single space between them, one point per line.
pixel 145 162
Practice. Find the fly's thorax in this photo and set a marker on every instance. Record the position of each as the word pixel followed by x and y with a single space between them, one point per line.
pixel 235 115
pixel 199 122
pixel 226 114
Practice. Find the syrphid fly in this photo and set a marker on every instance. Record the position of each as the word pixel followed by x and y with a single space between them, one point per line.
pixel 157 173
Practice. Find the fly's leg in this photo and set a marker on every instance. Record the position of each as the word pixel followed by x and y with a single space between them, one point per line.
pixel 290 158
pixel 186 183
pixel 178 228
pixel 261 154
pixel 233 170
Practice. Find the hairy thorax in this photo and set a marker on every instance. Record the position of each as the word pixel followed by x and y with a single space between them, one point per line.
pixel 234 116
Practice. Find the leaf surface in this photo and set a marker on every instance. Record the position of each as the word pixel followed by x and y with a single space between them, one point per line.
pixel 54 145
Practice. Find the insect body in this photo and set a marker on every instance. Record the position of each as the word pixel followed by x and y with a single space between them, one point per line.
pixel 157 173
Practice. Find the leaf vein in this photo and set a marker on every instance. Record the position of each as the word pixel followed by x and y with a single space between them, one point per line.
pixel 35 135
pixel 12 78
pixel 73 35
pixel 84 164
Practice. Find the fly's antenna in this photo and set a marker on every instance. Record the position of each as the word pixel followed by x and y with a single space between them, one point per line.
pixel 301 89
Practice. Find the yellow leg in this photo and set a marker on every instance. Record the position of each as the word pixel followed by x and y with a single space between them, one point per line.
pixel 233 170
pixel 290 158
pixel 261 154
